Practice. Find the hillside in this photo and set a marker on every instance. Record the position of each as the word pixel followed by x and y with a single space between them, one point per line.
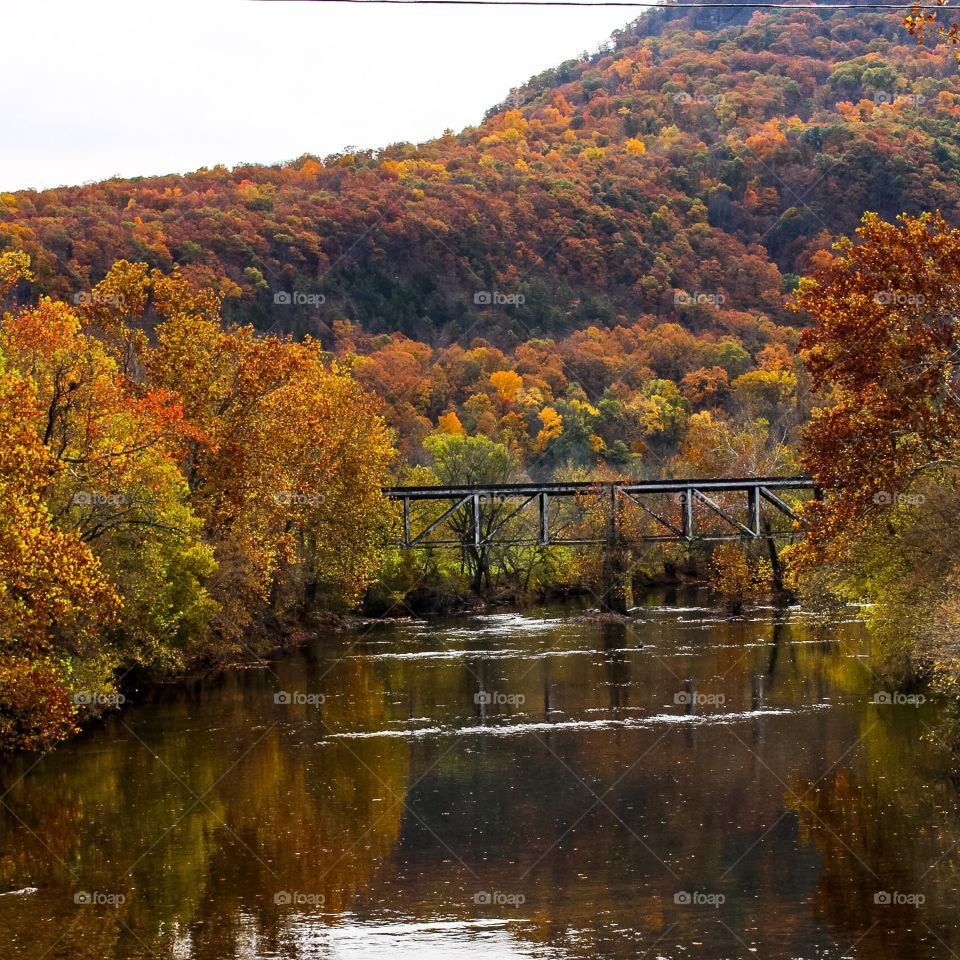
pixel 687 172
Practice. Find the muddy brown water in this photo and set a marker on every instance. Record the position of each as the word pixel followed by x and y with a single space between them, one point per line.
pixel 507 785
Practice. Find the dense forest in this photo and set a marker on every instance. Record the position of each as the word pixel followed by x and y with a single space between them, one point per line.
pixel 206 379
pixel 688 171
pixel 622 234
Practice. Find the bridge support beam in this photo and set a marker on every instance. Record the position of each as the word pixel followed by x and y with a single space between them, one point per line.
pixel 617 586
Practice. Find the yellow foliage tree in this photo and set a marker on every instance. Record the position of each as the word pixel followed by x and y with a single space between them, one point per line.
pixel 552 428
pixel 508 384
pixel 450 423
pixel 54 599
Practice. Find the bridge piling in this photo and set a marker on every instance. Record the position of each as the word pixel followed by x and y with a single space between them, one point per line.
pixel 617 588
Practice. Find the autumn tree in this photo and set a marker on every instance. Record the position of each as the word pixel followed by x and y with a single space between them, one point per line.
pixel 54 597
pixel 922 21
pixel 882 350
pixel 118 442
pixel 286 464
pixel 884 446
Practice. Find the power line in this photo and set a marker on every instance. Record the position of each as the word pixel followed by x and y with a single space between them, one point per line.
pixel 646 4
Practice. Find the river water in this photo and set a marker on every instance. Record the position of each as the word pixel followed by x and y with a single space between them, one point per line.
pixel 511 785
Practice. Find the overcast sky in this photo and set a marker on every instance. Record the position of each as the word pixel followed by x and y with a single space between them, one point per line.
pixel 106 87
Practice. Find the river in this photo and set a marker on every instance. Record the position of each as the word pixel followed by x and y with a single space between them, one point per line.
pixel 514 784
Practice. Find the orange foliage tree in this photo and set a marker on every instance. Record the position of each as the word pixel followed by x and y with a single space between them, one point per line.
pixel 883 352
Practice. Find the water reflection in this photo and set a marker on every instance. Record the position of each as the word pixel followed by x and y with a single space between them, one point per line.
pixel 524 785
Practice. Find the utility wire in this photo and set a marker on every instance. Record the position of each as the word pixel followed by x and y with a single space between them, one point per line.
pixel 647 4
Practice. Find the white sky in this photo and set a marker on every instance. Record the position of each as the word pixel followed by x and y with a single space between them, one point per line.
pixel 98 88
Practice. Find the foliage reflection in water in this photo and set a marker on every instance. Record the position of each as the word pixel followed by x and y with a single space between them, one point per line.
pixel 528 785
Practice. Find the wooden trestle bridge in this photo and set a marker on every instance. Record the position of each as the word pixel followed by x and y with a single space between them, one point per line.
pixel 543 513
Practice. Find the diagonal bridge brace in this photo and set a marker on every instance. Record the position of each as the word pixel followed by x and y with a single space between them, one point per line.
pixel 784 508
pixel 487 538
pixel 436 523
pixel 720 512
pixel 676 531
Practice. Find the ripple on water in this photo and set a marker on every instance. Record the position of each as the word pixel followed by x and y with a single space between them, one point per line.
pixel 518 729
pixel 496 625
pixel 504 654
pixel 439 940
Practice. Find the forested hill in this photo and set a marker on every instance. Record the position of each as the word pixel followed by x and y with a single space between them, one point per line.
pixel 688 171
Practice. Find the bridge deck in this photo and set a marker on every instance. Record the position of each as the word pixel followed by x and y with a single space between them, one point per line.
pixel 586 487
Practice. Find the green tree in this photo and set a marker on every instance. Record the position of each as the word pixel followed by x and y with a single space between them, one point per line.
pixel 459 460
